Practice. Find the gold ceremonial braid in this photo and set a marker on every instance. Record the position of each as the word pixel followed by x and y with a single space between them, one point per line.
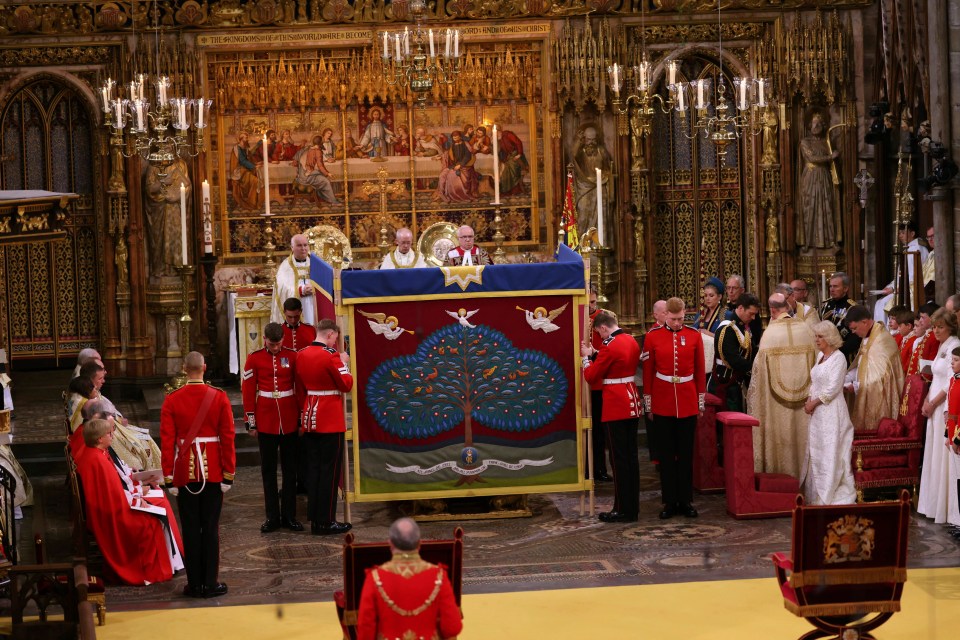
pixel 412 264
pixel 411 612
pixel 748 347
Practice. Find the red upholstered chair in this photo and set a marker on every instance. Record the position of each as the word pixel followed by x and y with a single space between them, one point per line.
pixel 358 557
pixel 846 570
pixel 750 494
pixel 891 456
pixel 707 468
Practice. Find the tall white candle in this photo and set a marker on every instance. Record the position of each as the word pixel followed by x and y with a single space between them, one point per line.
pixel 386 53
pixel 743 94
pixel 201 107
pixel 118 113
pixel 183 224
pixel 406 41
pixel 600 206
pixel 396 43
pixel 761 101
pixel 266 178
pixel 496 167
pixel 430 34
pixel 700 94
pixel 680 96
pixel 207 223
pixel 823 285
pixel 456 43
pixel 672 71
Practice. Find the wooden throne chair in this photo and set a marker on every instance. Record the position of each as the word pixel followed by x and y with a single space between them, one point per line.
pixel 891 455
pixel 846 570
pixel 358 557
pixel 751 494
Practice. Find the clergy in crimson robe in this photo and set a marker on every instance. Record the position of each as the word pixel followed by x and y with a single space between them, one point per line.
pixel 136 531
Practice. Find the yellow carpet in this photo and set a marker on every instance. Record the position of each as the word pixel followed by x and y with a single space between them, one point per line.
pixel 709 610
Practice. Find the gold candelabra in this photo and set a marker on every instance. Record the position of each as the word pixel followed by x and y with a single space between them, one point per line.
pixel 269 272
pixel 499 256
pixel 180 378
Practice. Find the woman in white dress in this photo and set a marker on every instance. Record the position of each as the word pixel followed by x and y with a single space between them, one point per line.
pixel 938 489
pixel 827 475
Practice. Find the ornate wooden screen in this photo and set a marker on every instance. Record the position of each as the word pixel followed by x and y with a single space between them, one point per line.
pixel 51 304
pixel 698 222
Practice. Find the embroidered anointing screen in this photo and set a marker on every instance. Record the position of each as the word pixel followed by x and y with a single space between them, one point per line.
pixel 466 379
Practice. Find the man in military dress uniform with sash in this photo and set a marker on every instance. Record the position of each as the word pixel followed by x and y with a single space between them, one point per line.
pixel 198 458
pixel 674 385
pixel 734 354
pixel 835 310
pixel 615 366
pixel 297 335
pixel 271 411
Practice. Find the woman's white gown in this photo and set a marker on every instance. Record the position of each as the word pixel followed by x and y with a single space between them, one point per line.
pixel 935 477
pixel 828 473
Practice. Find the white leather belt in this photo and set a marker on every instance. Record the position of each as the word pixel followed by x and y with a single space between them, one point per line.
pixel 618 380
pixel 204 439
pixel 323 393
pixel 674 379
pixel 276 394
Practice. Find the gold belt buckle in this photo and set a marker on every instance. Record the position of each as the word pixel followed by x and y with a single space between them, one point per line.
pixel 675 379
pixel 276 394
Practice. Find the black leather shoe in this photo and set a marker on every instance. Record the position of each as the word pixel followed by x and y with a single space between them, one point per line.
pixel 293 525
pixel 191 591
pixel 687 510
pixel 330 528
pixel 617 516
pixel 667 513
pixel 269 526
pixel 220 589
pixel 604 477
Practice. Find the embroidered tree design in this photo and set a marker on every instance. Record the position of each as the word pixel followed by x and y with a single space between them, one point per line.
pixel 464 375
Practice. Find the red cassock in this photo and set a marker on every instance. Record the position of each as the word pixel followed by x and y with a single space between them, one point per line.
pixel 378 619
pixel 614 368
pixel 906 351
pixel 268 391
pixel 953 409
pixel 298 337
pixel 924 351
pixel 132 541
pixel 212 453
pixel 674 381
pixel 898 338
pixel 322 378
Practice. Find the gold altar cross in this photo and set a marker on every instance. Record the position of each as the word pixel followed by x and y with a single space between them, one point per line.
pixel 383 188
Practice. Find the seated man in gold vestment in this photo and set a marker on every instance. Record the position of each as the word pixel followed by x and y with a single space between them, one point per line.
pixel 779 385
pixel 875 378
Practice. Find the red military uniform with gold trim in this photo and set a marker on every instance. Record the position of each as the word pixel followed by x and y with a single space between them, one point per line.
pixel 924 351
pixel 674 379
pixel 394 594
pixel 597 342
pixel 615 367
pixel 953 409
pixel 213 453
pixel 322 378
pixel 906 351
pixel 268 391
pixel 299 336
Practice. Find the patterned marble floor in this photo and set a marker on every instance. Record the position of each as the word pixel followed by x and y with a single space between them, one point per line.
pixel 555 548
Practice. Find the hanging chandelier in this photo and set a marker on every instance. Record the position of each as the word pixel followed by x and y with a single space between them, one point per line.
pixel 147 120
pixel 722 124
pixel 421 68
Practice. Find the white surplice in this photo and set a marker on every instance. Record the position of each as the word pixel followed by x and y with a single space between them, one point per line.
pixel 935 478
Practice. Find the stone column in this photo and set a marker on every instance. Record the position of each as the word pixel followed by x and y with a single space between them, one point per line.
pixel 944 63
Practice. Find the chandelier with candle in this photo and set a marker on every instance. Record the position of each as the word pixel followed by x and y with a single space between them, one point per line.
pixel 723 125
pixel 417 67
pixel 147 119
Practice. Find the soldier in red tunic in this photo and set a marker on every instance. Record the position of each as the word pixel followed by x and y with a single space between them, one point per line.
pixel 296 335
pixel 614 366
pixel 198 456
pixel 905 327
pixel 271 410
pixel 926 346
pixel 674 385
pixel 596 402
pixel 407 597
pixel 323 376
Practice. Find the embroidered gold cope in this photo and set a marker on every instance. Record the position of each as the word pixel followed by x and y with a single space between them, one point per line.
pixel 880 377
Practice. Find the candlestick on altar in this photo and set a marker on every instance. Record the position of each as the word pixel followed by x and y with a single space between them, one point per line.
pixel 499 256
pixel 180 378
pixel 601 252
pixel 269 272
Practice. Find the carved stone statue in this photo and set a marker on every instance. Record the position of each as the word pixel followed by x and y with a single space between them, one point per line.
pixel 771 154
pixel 589 156
pixel 817 220
pixel 162 208
pixel 773 233
pixel 636 140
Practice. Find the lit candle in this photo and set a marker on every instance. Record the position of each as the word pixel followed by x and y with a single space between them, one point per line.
pixel 430 34
pixel 743 94
pixel 406 40
pixel 266 178
pixel 446 50
pixel 599 206
pixel 672 71
pixel 201 107
pixel 761 101
pixel 700 94
pixel 644 70
pixel 456 43
pixel 141 82
pixel 141 115
pixel 496 167
pixel 386 53
pixel 396 42
pixel 823 285
pixel 680 97
pixel 207 224
pixel 183 224
pixel 118 113
pixel 182 108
